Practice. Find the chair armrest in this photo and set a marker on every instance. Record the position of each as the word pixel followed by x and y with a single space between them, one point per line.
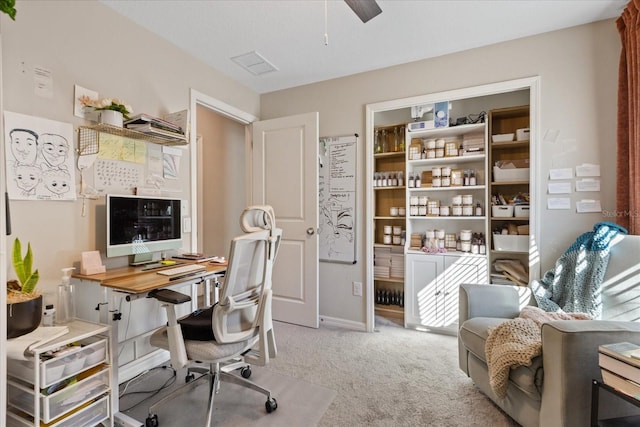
pixel 170 296
pixel 570 361
pixel 491 301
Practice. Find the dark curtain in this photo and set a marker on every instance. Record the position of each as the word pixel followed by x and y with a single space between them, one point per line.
pixel 628 160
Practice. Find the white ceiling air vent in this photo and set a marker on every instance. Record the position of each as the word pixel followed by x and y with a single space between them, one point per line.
pixel 255 63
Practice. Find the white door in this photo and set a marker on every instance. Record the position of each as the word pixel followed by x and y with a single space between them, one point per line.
pixel 285 176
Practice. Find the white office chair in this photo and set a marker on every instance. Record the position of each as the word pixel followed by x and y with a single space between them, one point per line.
pixel 240 325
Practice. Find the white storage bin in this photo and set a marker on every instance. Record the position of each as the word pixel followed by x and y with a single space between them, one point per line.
pixel 502 211
pixel 514 174
pixel 522 134
pixel 61 401
pixel 91 415
pixel 521 211
pixel 53 370
pixel 504 137
pixel 511 243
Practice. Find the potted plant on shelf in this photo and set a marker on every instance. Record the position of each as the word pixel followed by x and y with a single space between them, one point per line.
pixel 111 111
pixel 24 302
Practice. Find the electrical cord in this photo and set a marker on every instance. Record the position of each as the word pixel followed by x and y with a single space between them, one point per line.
pixel 126 330
pixel 168 383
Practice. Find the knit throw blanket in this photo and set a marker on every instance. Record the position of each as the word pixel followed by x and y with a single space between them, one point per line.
pixel 574 284
pixel 516 342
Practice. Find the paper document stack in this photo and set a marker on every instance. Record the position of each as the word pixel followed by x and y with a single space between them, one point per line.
pixel 157 127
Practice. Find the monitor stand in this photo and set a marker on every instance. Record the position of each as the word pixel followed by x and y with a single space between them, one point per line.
pixel 141 259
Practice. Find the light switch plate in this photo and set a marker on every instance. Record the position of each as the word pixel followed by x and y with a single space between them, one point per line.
pixel 186 225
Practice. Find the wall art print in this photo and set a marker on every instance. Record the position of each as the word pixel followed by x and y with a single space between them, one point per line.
pixel 39 158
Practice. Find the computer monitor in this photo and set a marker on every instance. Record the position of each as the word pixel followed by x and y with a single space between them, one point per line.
pixel 139 226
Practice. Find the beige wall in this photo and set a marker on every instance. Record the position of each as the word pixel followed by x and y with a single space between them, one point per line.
pixel 221 189
pixel 86 43
pixel 578 71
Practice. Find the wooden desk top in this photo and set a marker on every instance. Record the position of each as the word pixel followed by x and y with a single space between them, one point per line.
pixel 136 280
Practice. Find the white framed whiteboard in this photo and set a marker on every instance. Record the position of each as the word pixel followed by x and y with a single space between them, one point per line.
pixel 337 198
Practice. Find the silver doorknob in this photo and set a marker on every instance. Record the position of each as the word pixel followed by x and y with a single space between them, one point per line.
pixel 311 231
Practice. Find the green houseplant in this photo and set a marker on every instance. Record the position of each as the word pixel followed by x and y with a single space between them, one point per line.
pixel 24 302
pixel 8 7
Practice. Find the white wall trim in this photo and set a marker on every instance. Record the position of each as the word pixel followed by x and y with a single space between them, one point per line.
pixel 342 323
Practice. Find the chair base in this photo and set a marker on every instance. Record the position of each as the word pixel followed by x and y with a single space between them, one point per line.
pixel 215 374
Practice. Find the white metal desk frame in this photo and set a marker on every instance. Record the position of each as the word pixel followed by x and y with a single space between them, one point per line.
pixel 106 312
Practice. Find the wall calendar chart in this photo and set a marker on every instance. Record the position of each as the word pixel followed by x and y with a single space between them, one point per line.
pixel 337 198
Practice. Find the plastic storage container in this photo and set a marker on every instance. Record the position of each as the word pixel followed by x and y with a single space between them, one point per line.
pixel 521 211
pixel 90 415
pixel 511 243
pixel 514 174
pixel 62 401
pixel 502 211
pixel 53 370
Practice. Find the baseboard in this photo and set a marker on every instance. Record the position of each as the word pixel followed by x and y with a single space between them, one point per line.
pixel 342 323
pixel 141 364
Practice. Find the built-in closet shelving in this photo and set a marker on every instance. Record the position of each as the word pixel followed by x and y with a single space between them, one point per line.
pixel 446 224
pixel 512 185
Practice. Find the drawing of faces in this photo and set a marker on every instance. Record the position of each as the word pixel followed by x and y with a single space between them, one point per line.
pixel 57 181
pixel 27 178
pixel 54 149
pixel 24 146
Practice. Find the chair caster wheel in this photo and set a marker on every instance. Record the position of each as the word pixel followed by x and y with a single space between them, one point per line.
pixel 189 377
pixel 271 405
pixel 152 421
pixel 245 372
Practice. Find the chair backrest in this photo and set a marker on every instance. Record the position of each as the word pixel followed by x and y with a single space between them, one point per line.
pixel 246 290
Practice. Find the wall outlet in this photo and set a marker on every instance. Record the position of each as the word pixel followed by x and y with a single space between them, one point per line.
pixel 357 289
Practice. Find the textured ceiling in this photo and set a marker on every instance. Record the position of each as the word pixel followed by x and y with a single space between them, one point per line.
pixel 290 34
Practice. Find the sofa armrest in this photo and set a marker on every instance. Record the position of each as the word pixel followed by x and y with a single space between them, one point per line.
pixel 570 361
pixel 491 301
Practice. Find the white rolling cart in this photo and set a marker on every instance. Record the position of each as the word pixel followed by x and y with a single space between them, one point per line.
pixel 73 388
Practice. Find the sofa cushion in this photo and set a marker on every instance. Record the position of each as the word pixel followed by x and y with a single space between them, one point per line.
pixel 474 333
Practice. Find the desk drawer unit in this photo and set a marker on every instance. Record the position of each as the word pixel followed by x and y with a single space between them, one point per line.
pixel 91 352
pixel 89 415
pixel 90 385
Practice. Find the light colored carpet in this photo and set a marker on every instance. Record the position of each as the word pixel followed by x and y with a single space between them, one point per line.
pixel 394 377
pixel 299 403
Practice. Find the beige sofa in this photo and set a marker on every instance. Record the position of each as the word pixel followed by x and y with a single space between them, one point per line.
pixel 556 389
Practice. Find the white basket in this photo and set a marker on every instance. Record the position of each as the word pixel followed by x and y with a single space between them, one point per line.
pixel 511 243
pixel 522 134
pixel 504 137
pixel 515 174
pixel 521 211
pixel 502 211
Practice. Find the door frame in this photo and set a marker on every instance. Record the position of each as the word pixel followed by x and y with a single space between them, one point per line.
pixel 226 110
pixel 530 83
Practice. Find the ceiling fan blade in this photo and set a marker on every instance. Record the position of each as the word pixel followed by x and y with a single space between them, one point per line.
pixel 365 9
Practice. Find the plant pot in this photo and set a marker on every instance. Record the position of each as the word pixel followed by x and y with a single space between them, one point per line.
pixel 111 117
pixel 23 317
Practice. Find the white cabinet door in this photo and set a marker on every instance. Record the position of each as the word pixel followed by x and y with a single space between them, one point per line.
pixel 459 270
pixel 421 295
pixel 432 282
